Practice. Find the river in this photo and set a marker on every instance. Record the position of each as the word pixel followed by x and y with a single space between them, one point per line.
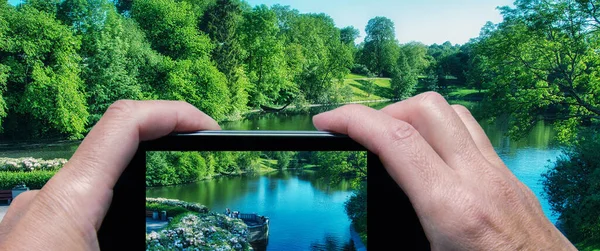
pixel 282 195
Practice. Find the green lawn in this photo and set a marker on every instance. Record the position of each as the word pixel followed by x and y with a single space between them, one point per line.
pixel 354 76
pixel 380 90
pixel 466 94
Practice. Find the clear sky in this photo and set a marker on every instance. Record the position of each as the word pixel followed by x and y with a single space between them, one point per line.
pixel 427 21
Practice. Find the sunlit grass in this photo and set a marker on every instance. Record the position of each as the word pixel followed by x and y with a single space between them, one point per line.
pixel 354 76
pixel 381 88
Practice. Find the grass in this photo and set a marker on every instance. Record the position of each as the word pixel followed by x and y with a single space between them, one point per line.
pixel 267 165
pixel 380 90
pixel 354 76
pixel 466 94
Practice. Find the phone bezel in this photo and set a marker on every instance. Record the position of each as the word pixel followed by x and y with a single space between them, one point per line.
pixel 387 204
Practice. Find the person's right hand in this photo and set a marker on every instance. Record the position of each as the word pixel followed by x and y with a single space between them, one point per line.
pixel 464 195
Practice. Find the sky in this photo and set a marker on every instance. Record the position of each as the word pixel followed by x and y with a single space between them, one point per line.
pixel 426 21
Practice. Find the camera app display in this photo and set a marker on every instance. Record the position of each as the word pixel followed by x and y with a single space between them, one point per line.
pixel 256 200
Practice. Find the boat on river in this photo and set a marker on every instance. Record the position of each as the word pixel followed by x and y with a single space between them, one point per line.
pixel 258 225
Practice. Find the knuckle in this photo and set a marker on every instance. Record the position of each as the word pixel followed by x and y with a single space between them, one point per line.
pixel 476 218
pixel 461 110
pixel 401 131
pixel 432 98
pixel 121 107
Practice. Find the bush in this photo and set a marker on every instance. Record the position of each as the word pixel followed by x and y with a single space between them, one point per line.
pixel 30 164
pixel 172 211
pixel 361 69
pixel 572 186
pixel 33 180
pixel 170 204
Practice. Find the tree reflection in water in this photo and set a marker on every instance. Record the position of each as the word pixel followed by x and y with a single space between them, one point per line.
pixel 332 243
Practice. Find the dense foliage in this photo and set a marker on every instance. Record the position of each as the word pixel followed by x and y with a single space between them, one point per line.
pixel 33 180
pixel 573 188
pixel 542 62
pixel 62 63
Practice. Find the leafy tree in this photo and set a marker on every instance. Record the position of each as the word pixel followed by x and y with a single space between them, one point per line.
pixel 349 34
pixel 541 63
pixel 404 79
pixel 265 62
pixel 380 49
pixel 48 6
pixel 171 27
pixel 199 83
pixel 416 56
pixel 572 186
pixel 105 49
pixel 222 23
pixel 44 93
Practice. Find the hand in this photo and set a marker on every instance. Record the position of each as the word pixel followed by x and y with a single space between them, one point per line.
pixel 464 195
pixel 67 212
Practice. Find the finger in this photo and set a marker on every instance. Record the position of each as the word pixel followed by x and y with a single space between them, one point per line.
pixel 437 122
pixel 479 137
pixel 80 193
pixel 16 209
pixel 408 158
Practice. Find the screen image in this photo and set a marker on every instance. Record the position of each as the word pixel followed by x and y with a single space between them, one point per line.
pixel 256 200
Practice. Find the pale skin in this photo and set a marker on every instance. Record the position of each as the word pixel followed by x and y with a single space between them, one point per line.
pixel 464 195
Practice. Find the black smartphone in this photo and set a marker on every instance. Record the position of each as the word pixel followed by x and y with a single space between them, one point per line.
pixel 258 190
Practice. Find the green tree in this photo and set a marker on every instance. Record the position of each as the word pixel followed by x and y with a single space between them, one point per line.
pixel 44 93
pixel 222 23
pixel 542 63
pixel 349 34
pixel 404 78
pixel 199 83
pixel 105 47
pixel 265 62
pixel 380 49
pixel 572 185
pixel 48 6
pixel 171 27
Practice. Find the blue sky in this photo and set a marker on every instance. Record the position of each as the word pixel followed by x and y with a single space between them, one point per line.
pixel 427 21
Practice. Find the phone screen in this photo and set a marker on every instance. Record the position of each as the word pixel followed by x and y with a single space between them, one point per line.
pixel 260 200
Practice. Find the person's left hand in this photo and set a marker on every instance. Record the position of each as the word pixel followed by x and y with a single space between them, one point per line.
pixel 68 211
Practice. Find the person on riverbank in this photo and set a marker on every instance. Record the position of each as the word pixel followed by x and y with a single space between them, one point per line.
pixel 464 195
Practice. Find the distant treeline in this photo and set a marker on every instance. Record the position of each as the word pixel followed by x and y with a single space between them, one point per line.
pixel 171 168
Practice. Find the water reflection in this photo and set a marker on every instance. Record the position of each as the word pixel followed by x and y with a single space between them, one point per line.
pixel 332 243
pixel 302 210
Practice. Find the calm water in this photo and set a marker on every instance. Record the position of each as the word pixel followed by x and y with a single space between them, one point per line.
pixel 527 158
pixel 305 213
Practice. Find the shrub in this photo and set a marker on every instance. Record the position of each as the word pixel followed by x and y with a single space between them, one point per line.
pixel 361 69
pixel 170 203
pixel 572 186
pixel 33 180
pixel 30 164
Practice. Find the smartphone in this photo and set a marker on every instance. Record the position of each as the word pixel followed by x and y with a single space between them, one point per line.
pixel 258 190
